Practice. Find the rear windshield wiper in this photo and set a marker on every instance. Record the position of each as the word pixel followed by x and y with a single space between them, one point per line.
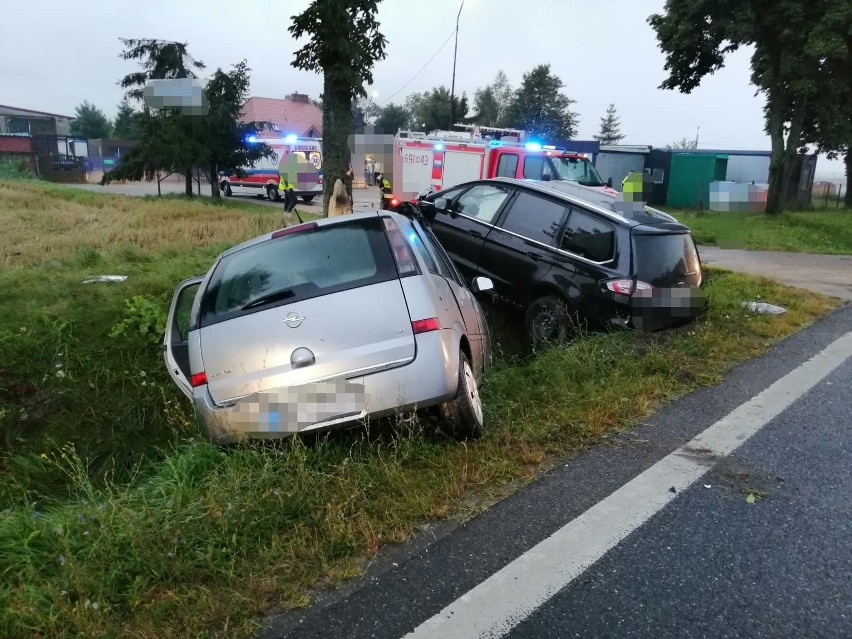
pixel 274 296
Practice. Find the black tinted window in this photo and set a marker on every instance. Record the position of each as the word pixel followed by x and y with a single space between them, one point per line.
pixel 588 237
pixel 297 267
pixel 535 218
pixel 667 258
pixel 508 165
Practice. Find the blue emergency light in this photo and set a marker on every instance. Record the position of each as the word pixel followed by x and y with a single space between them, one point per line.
pixel 251 139
pixel 439 147
pixel 533 146
pixel 291 139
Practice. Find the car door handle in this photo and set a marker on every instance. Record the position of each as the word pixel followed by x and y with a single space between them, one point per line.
pixel 474 233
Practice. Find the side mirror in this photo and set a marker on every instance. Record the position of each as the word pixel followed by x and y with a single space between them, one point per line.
pixel 441 204
pixel 481 284
pixel 609 182
pixel 546 177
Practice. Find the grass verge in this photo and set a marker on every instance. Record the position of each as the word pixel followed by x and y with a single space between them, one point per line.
pixel 116 519
pixel 823 231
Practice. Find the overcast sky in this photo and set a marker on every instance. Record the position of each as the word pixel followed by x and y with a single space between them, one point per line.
pixel 604 51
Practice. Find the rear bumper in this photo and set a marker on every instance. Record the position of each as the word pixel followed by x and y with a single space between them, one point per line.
pixel 431 378
pixel 664 308
pixel 667 307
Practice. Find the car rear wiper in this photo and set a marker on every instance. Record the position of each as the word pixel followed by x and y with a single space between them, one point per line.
pixel 274 296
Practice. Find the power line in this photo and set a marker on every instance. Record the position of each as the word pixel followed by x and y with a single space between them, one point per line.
pixel 414 77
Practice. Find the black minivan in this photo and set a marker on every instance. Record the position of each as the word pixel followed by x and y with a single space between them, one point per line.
pixel 562 251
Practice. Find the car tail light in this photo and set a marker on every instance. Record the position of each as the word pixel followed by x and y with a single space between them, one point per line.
pixel 199 379
pixel 401 250
pixel 425 325
pixel 394 202
pixel 625 287
pixel 299 228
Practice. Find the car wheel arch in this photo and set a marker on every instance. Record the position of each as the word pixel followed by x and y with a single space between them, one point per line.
pixel 550 290
pixel 464 346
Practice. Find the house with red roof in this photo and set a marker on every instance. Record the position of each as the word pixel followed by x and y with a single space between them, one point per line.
pixel 294 115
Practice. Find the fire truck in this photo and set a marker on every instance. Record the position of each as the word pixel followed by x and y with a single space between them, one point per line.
pixel 262 179
pixel 441 159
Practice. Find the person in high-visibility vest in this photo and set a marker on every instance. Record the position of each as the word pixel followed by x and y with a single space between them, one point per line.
pixel 289 193
pixel 385 188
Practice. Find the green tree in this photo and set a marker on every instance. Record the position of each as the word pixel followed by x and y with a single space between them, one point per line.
pixel 491 104
pixel 430 110
pixel 154 151
pixel 126 124
pixel 486 109
pixel 344 45
pixel 610 132
pixel 160 60
pixel 540 107
pixel 224 137
pixel 392 118
pixel 90 122
pixel 696 35
pixel 829 125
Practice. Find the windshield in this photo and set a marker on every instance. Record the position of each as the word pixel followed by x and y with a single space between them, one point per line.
pixel 577 170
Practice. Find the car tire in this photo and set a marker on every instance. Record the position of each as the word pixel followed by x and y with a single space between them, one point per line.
pixel 307 199
pixel 273 193
pixel 548 320
pixel 226 189
pixel 463 416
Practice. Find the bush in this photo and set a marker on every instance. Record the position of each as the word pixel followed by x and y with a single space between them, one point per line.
pixel 16 170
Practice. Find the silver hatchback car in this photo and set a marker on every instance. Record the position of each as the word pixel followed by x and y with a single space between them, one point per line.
pixel 328 323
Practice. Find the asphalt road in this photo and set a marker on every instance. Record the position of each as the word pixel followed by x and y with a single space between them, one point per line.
pixel 364 199
pixel 826 274
pixel 698 560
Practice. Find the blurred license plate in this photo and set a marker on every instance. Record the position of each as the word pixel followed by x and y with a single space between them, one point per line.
pixel 294 408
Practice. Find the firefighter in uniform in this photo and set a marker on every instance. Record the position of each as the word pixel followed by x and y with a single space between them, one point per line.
pixel 385 189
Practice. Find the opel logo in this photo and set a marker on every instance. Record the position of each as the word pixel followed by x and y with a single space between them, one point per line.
pixel 294 319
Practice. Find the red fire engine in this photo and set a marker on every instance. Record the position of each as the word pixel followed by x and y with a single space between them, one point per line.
pixel 441 159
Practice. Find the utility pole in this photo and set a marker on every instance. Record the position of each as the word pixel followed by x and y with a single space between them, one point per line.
pixel 453 89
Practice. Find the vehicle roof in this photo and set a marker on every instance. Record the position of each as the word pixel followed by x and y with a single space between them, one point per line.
pixel 596 200
pixel 328 221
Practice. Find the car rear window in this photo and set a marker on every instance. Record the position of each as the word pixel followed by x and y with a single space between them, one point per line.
pixel 667 259
pixel 588 237
pixel 296 267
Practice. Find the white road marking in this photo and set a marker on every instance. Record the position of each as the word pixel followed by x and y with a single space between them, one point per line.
pixel 502 601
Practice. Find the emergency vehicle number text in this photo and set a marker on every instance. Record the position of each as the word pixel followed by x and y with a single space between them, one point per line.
pixel 416 158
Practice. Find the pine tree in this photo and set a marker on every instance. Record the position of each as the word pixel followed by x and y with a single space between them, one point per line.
pixel 610 132
pixel 126 124
pixel 90 122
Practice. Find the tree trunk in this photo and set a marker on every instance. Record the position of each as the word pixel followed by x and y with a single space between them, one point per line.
pixel 847 200
pixel 336 157
pixel 188 177
pixel 794 137
pixel 214 182
pixel 775 127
